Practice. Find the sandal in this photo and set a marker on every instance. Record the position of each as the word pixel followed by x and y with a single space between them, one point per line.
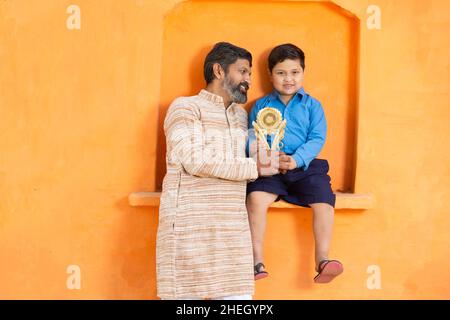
pixel 260 274
pixel 328 270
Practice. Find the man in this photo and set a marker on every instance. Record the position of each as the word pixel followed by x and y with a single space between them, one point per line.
pixel 204 248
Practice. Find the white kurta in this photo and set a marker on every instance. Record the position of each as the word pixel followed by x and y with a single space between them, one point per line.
pixel 204 244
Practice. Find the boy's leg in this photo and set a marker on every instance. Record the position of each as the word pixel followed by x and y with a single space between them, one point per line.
pixel 257 204
pixel 323 219
pixel 313 188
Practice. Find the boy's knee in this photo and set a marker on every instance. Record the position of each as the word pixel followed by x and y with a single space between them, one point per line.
pixel 260 200
pixel 322 207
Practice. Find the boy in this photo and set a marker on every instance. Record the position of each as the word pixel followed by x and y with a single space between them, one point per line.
pixel 303 180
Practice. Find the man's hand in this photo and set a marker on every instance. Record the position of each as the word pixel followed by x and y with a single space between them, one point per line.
pixel 267 161
pixel 287 163
pixel 268 164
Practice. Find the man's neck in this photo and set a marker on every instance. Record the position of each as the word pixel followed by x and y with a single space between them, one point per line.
pixel 214 89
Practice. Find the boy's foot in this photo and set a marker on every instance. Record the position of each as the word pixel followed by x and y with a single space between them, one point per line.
pixel 328 270
pixel 260 273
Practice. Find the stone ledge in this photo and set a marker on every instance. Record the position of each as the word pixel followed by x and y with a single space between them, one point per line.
pixel 343 201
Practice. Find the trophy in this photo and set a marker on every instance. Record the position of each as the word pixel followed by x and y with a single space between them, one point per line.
pixel 269 122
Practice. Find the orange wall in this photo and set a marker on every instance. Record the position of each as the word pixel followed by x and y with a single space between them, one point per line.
pixel 80 113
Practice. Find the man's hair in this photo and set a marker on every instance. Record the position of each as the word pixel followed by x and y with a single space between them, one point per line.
pixel 223 53
pixel 286 51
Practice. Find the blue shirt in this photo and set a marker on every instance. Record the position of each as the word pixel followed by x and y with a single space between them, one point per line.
pixel 306 126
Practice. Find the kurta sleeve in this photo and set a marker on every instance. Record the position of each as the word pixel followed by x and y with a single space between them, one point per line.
pixel 185 144
pixel 251 131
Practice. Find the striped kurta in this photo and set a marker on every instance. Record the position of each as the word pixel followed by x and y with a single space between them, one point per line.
pixel 204 246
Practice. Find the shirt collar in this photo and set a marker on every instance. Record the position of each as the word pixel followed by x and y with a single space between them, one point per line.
pixel 275 94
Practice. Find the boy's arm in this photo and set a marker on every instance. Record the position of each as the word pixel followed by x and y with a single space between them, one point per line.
pixel 251 131
pixel 315 140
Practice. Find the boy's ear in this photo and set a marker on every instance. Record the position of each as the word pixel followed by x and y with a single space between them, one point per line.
pixel 270 74
pixel 218 71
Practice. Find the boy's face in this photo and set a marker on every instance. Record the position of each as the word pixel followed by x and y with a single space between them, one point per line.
pixel 287 77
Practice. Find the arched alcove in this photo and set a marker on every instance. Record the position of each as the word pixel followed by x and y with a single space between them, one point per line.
pixel 327 33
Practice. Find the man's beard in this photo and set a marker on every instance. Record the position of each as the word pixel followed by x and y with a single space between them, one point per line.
pixel 237 94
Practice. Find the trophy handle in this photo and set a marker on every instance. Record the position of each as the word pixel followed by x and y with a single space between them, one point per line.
pixel 260 135
pixel 277 144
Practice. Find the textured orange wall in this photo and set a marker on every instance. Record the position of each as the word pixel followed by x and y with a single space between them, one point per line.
pixel 79 117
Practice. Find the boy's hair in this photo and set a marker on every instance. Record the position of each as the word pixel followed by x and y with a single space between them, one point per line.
pixel 225 54
pixel 286 51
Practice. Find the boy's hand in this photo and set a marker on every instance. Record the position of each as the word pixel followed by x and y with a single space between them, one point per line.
pixel 282 171
pixel 287 163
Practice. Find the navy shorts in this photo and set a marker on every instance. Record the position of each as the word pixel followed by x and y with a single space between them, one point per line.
pixel 298 186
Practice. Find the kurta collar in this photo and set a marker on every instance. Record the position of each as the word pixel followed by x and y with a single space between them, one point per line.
pixel 213 98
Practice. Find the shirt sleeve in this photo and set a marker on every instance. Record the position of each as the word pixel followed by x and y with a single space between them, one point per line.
pixel 315 140
pixel 185 143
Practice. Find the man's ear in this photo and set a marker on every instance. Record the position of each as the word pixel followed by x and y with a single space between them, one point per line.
pixel 218 71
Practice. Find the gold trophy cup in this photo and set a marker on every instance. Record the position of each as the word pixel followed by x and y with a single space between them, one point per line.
pixel 269 121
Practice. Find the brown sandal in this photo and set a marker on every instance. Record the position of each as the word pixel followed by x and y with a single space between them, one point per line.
pixel 260 274
pixel 328 270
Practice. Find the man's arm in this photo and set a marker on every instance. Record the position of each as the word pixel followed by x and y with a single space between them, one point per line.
pixel 184 134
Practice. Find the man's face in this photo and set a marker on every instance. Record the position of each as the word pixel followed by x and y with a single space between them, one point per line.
pixel 237 80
